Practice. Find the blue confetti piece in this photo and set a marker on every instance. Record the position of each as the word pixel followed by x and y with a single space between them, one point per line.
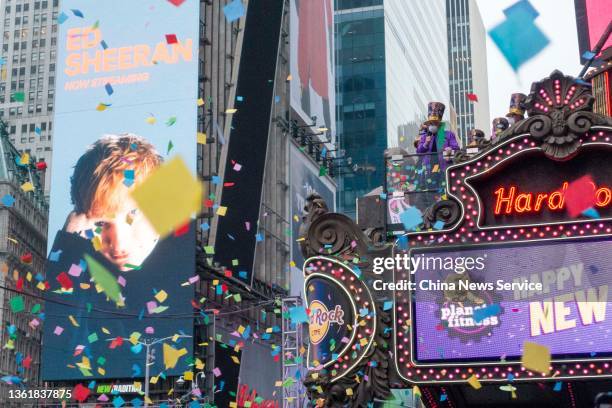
pixel 136 402
pixel 103 44
pixel 588 55
pixel 388 305
pixel 259 237
pixel 298 315
pixel 109 89
pixel 204 226
pixel 240 98
pixel 38 130
pixel 443 397
pixel 518 39
pixel 411 218
pixel 438 225
pixel 233 11
pixel 243 274
pixel 483 313
pixel 524 7
pixel 8 200
pixel 77 13
pixel 591 213
pixel 61 17
pixel 363 312
pixel 277 99
pixel 510 377
pixel 137 348
pixel 593 269
pixel 216 179
pixel 557 386
pixel 54 256
pixel 136 370
pixel 383 196
pixel 118 401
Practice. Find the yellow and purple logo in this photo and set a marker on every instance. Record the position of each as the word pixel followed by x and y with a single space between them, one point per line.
pixel 321 319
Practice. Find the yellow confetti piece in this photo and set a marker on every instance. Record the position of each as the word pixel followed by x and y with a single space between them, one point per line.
pixel 536 357
pixel 188 375
pixel 161 296
pixel 134 337
pixel 289 77
pixel 73 321
pixel 473 381
pixel 29 277
pixel 201 138
pixel 40 286
pixel 235 360
pixel 171 355
pixel 170 186
pixel 97 243
pixel 101 107
pixel 278 384
pixel 199 364
pixel 101 371
pixel 151 120
pixel 25 158
pixel 222 210
pixel 153 380
pixel 105 330
pixel 292 263
pixel 231 110
pixel 27 186
pixel 349 391
pixel 84 286
pixel 200 102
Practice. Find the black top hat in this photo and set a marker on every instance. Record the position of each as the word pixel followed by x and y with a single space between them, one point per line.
pixel 435 111
pixel 477 134
pixel 517 104
pixel 500 123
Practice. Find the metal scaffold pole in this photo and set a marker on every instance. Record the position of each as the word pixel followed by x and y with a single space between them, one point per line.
pixel 292 360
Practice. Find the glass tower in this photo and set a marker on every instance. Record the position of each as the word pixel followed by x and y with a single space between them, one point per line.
pixel 360 97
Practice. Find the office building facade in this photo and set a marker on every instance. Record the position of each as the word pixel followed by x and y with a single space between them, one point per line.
pixel 389 65
pixel 27 74
pixel 467 66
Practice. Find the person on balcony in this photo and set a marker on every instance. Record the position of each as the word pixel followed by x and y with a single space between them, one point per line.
pixel 516 113
pixel 499 125
pixel 436 139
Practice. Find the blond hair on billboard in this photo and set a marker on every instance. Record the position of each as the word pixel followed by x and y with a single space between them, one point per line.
pixel 97 184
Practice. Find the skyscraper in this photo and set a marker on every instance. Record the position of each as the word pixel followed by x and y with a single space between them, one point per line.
pixel 389 66
pixel 467 66
pixel 27 74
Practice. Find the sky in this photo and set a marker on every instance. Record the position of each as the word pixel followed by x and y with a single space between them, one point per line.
pixel 558 22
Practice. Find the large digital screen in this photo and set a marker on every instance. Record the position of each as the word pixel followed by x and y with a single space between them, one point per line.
pixel 126 103
pixel 312 62
pixel 479 320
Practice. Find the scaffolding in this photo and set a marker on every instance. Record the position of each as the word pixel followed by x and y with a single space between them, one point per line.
pixel 292 358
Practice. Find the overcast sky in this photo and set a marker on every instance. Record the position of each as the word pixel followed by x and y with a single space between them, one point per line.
pixel 557 20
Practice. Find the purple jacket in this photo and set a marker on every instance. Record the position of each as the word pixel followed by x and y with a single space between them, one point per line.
pixel 450 141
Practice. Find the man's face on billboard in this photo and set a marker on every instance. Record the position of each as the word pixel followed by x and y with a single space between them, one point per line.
pixel 127 237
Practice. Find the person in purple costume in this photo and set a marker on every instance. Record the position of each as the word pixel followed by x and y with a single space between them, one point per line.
pixel 436 139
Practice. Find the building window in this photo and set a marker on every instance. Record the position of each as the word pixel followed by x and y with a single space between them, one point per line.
pixel 38 108
pixel 24 128
pixel 50 107
pixel 26 7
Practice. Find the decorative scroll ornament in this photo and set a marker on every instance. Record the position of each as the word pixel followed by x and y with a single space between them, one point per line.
pixel 560 115
pixel 364 366
pixel 447 211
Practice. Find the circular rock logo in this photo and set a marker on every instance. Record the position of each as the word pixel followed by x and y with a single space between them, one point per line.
pixel 320 320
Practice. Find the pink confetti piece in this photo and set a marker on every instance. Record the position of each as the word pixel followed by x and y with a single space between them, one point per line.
pixel 149 330
pixel 58 330
pixel 216 372
pixel 121 281
pixel 75 270
pixel 194 279
pixel 151 306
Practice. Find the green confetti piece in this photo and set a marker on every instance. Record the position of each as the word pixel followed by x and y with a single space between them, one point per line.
pixel 93 337
pixel 17 304
pixel 18 97
pixel 171 121
pixel 101 360
pixel 103 278
pixel 36 308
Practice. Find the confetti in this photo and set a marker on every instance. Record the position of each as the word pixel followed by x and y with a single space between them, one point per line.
pixel 536 357
pixel 233 11
pixel 170 186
